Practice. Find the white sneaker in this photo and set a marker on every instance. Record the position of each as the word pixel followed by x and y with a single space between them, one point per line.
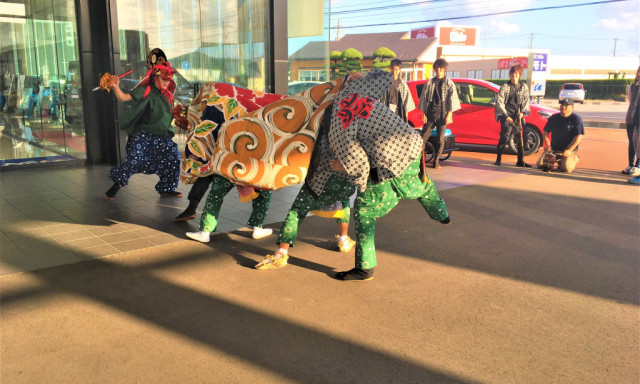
pixel 634 171
pixel 346 244
pixel 200 236
pixel 259 233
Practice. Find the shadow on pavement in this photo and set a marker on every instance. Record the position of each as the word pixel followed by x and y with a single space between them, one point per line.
pixel 588 246
pixel 288 349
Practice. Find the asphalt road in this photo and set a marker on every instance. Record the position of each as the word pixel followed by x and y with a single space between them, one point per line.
pixel 603 116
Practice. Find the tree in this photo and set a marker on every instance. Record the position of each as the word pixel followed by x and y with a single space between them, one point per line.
pixel 381 58
pixel 383 65
pixel 383 53
pixel 351 60
pixel 334 66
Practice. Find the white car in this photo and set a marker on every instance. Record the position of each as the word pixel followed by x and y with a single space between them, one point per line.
pixel 573 91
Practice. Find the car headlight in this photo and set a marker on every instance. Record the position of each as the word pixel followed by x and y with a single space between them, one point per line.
pixel 545 114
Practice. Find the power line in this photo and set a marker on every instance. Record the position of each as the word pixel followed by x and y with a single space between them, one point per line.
pixel 442 5
pixel 528 35
pixel 485 15
pixel 365 3
pixel 387 7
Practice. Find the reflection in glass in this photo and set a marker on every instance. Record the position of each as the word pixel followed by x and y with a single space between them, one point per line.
pixel 220 40
pixel 40 104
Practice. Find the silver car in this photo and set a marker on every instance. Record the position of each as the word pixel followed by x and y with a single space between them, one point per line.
pixel 573 91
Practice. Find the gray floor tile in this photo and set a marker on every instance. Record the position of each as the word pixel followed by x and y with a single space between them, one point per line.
pixel 97 251
pixel 133 245
pixel 80 244
pixel 15 262
pixel 27 233
pixel 120 237
pixel 62 228
pixel 100 230
pixel 10 250
pixel 164 239
pixel 40 245
pixel 73 235
pixel 148 232
pixel 62 257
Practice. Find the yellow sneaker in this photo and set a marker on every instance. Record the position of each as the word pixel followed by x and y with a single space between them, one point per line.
pixel 346 244
pixel 275 261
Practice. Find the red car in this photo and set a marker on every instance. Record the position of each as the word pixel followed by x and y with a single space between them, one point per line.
pixel 475 123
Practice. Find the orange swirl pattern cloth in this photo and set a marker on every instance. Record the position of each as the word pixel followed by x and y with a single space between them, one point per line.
pixel 271 147
pixel 232 101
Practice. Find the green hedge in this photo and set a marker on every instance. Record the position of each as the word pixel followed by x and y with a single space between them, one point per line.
pixel 609 89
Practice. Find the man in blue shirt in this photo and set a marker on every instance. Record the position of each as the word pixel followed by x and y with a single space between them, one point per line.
pixel 562 135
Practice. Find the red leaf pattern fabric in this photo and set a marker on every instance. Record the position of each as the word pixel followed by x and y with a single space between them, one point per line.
pixel 352 106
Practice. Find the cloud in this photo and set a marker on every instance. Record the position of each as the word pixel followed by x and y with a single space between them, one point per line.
pixel 504 27
pixel 497 6
pixel 624 22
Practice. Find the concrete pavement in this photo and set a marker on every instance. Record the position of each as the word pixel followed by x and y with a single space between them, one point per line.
pixel 535 281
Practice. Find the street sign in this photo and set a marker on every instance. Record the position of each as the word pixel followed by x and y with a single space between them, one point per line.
pixel 537 74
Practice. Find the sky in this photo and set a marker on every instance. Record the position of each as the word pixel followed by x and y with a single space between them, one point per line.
pixel 573 27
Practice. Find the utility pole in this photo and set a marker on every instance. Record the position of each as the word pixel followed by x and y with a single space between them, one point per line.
pixel 531 42
pixel 329 20
pixel 615 43
pixel 338 34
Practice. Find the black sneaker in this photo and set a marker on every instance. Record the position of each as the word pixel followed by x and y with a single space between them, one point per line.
pixel 446 221
pixel 111 193
pixel 523 165
pixel 355 274
pixel 188 214
pixel 171 194
pixel 498 162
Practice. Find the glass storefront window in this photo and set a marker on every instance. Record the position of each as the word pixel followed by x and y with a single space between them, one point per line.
pixel 220 40
pixel 308 23
pixel 40 107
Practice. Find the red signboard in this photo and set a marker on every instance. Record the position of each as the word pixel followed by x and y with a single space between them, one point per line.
pixel 423 32
pixel 457 36
pixel 508 63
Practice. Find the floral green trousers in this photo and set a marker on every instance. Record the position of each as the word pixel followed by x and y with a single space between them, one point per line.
pixel 220 187
pixel 379 199
pixel 336 189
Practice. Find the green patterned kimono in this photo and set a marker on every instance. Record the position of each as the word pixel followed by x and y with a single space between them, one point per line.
pixel 336 189
pixel 220 186
pixel 379 199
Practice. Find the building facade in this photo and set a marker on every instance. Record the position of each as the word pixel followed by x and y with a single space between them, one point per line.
pixel 52 54
pixel 419 48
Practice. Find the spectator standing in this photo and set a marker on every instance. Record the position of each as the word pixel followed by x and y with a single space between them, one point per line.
pixel 566 131
pixel 632 121
pixel 438 101
pixel 398 98
pixel 511 107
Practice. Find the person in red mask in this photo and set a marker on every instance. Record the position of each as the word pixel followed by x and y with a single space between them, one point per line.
pixel 151 148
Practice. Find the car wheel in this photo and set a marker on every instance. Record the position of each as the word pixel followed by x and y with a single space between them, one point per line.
pixel 532 141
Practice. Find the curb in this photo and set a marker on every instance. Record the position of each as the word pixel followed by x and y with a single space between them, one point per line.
pixel 604 124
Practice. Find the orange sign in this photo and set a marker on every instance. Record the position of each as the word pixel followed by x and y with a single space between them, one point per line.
pixel 457 36
pixel 420 33
pixel 507 63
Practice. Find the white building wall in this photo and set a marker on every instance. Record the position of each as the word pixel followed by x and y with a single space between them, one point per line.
pixel 465 59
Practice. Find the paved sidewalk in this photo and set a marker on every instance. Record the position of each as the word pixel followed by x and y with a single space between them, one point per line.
pixel 65 210
pixel 535 281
